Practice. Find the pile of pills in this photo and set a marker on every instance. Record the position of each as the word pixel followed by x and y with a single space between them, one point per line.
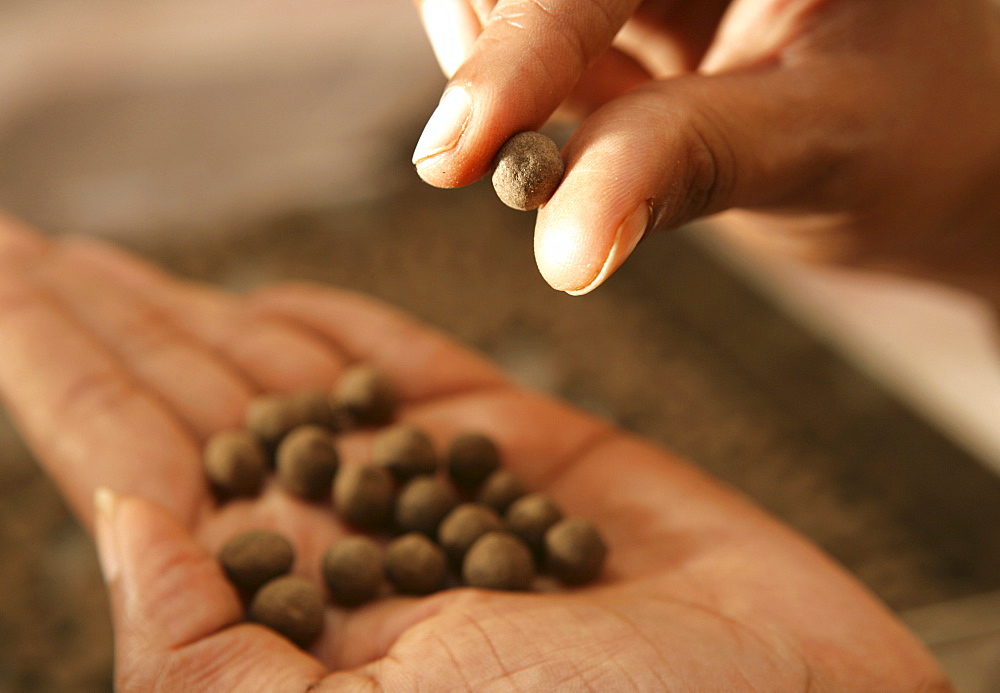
pixel 437 521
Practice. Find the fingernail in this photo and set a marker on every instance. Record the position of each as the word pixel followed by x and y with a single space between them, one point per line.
pixel 105 506
pixel 445 126
pixel 627 236
pixel 452 27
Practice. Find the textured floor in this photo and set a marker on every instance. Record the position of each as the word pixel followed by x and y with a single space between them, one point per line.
pixel 674 348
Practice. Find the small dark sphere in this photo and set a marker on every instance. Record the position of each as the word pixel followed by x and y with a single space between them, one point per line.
pixel 405 450
pixel 463 526
pixel 307 460
pixel 574 551
pixel 271 417
pixel 423 503
pixel 527 170
pixel 290 606
pixel 254 557
pixel 364 495
pixel 415 565
pixel 529 517
pixel 353 570
pixel 366 395
pixel 314 407
pixel 235 463
pixel 500 489
pixel 472 457
pixel 499 561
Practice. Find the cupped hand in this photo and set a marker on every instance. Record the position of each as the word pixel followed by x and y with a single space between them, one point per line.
pixel 849 130
pixel 116 373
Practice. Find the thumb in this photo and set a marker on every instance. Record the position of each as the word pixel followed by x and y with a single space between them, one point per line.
pixel 678 149
pixel 175 614
pixel 525 61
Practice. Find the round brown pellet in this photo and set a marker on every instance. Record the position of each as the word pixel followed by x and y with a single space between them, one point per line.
pixel 405 450
pixel 529 517
pixel 235 463
pixel 472 457
pixel 316 408
pixel 574 550
pixel 254 557
pixel 500 489
pixel 271 417
pixel 364 495
pixel 352 570
pixel 423 503
pixel 307 461
pixel 366 395
pixel 527 170
pixel 498 561
pixel 414 564
pixel 290 606
pixel 463 526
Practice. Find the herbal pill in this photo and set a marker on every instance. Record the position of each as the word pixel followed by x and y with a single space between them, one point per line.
pixel 307 461
pixel 314 407
pixel 405 450
pixel 471 458
pixel 574 551
pixel 271 417
pixel 530 517
pixel 463 525
pixel 500 489
pixel 498 561
pixel 291 606
pixel 254 557
pixel 527 170
pixel 366 395
pixel 235 463
pixel 423 503
pixel 352 570
pixel 364 496
pixel 414 564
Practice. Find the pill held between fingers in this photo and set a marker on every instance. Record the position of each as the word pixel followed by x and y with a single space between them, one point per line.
pixel 365 496
pixel 290 606
pixel 307 460
pixel 353 570
pixel 423 503
pixel 500 489
pixel 472 457
pixel 414 564
pixel 530 517
pixel 527 170
pixel 235 463
pixel 367 396
pixel 463 526
pixel 574 550
pixel 405 450
pixel 271 417
pixel 498 561
pixel 254 557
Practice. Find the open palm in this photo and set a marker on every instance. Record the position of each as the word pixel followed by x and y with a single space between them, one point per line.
pixel 117 373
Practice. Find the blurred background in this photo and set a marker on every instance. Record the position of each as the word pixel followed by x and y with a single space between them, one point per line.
pixel 245 143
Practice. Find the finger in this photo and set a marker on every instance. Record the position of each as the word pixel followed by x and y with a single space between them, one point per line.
pixel 87 419
pixel 423 363
pixel 175 615
pixel 525 62
pixel 675 150
pixel 274 355
pixel 195 381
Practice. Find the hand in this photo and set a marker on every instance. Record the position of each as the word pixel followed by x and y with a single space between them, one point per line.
pixel 116 373
pixel 862 132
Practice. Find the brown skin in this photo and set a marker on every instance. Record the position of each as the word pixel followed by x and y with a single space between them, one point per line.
pixel 701 590
pixel 845 130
